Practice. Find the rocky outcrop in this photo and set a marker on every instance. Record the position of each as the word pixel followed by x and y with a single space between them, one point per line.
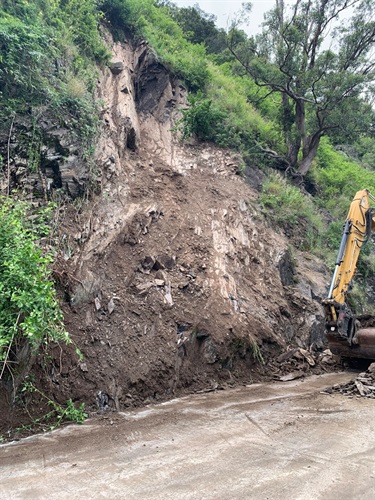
pixel 43 156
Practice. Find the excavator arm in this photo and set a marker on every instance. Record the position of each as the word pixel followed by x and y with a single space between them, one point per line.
pixel 344 337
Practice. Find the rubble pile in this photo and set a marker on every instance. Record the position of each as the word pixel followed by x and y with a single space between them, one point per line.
pixel 298 362
pixel 362 386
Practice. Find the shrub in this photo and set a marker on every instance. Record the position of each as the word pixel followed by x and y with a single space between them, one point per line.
pixel 201 118
pixel 28 305
pixel 25 60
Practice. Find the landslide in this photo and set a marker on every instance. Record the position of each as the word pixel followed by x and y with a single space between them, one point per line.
pixel 172 281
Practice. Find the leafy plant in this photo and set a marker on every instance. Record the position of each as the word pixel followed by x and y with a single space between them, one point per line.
pixel 58 414
pixel 29 310
pixel 26 60
pixel 201 118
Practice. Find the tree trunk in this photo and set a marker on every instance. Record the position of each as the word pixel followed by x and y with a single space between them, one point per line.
pixel 300 133
pixel 309 152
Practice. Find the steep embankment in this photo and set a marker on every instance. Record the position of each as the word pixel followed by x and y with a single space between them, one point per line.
pixel 176 281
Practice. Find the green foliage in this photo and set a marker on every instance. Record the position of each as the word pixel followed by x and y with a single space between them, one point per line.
pixel 362 151
pixel 320 90
pixel 26 62
pixel 358 299
pixel 73 21
pixel 286 206
pixel 47 70
pixel 28 304
pixel 201 118
pixel 144 18
pixel 199 27
pixel 244 126
pixel 81 20
pixel 58 414
pixel 339 178
pixel 223 114
pixel 256 352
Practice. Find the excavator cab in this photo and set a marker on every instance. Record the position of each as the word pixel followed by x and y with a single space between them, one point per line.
pixel 345 335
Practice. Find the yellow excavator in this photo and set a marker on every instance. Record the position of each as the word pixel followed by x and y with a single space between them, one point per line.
pixel 346 337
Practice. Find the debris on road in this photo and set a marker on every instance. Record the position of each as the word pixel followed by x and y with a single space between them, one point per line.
pixel 298 362
pixel 362 386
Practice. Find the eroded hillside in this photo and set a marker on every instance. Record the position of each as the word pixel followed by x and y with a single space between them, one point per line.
pixel 172 280
pixel 178 281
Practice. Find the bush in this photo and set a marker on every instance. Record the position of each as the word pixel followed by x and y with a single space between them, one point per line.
pixel 25 60
pixel 201 118
pixel 28 304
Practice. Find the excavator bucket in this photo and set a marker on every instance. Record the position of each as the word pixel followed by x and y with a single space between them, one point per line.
pixel 363 348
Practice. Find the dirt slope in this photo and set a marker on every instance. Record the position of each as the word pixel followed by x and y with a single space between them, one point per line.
pixel 183 285
pixel 173 280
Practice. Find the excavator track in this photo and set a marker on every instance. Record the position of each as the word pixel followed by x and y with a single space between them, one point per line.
pixel 364 346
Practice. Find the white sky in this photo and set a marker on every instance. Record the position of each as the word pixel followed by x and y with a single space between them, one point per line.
pixel 224 10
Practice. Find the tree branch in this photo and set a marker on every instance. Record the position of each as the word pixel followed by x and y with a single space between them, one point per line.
pixel 8 154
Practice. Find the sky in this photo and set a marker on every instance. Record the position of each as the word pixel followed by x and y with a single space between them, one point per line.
pixel 224 10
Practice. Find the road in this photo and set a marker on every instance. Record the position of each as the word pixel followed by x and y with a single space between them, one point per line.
pixel 264 441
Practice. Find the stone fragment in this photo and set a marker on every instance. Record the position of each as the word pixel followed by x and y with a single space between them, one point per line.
pixel 111 306
pixel 144 287
pixel 98 305
pixel 168 295
pixel 360 387
pixel 159 275
pixel 165 262
pixel 209 351
pixel 83 367
pixel 148 263
pixel 307 356
pixel 292 376
pixel 116 67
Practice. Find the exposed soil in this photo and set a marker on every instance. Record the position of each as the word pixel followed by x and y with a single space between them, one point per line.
pixel 171 280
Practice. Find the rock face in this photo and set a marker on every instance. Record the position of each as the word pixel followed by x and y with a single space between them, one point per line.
pixel 174 281
pixel 58 154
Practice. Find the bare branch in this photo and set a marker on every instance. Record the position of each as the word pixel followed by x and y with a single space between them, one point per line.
pixel 8 154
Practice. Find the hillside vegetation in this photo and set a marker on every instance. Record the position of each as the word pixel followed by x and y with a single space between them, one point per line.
pixel 299 113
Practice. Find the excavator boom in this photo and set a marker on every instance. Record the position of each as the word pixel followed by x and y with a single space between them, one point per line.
pixel 344 336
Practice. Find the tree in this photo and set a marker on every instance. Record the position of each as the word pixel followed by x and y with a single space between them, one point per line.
pixel 200 27
pixel 318 57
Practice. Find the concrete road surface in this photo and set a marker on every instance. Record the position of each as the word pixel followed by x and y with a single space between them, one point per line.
pixel 265 441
